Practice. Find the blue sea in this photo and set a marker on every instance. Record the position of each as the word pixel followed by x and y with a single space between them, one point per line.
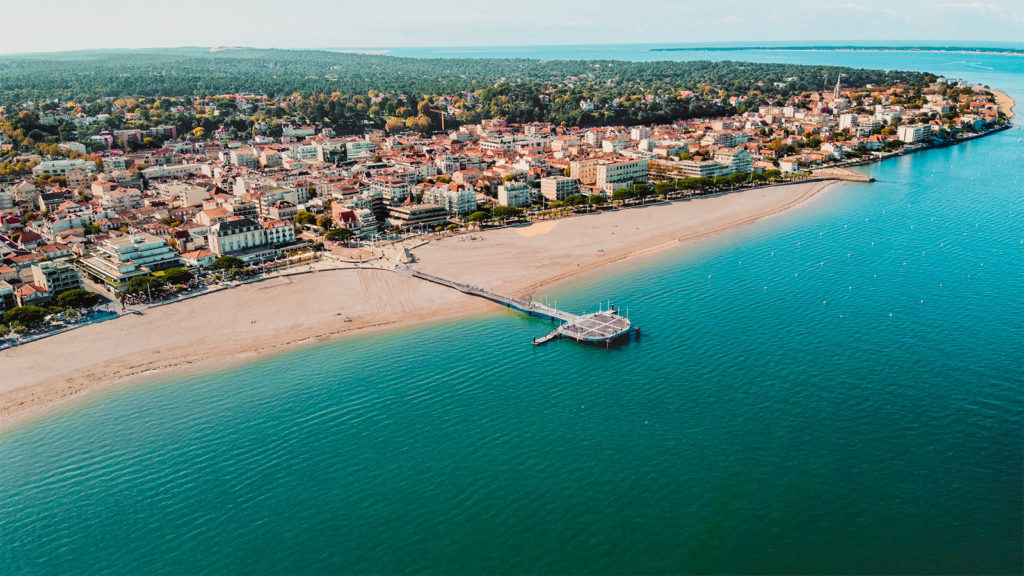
pixel 837 389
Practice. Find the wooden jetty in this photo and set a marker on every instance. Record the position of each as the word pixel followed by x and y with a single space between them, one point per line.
pixel 602 327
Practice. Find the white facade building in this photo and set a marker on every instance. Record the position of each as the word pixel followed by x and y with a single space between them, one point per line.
pixel 911 133
pixel 62 167
pixel 117 260
pixel 557 188
pixel 458 201
pixel 611 177
pixel 514 194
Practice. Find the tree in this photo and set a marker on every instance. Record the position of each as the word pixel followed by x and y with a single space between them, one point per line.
pixel 31 317
pixel 325 222
pixel 78 299
pixel 574 200
pixel 622 195
pixel 478 216
pixel 340 235
pixel 227 262
pixel 145 285
pixel 304 217
pixel 503 213
pixel 597 200
pixel 177 276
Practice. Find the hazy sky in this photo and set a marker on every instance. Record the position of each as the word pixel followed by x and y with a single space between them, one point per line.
pixel 68 25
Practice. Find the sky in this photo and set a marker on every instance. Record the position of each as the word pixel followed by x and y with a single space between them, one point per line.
pixel 51 25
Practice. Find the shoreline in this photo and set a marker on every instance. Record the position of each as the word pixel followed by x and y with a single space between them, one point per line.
pixel 1004 102
pixel 206 334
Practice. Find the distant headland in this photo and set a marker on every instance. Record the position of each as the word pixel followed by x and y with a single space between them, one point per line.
pixel 850 48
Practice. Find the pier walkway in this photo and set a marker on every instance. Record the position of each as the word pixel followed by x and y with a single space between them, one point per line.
pixel 598 327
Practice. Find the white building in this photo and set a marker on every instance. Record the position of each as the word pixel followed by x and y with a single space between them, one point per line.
pixel 236 236
pixel 186 194
pixel 62 167
pixel 243 157
pixel 735 160
pixel 117 260
pixel 279 232
pixel 557 188
pixel 56 277
pixel 457 200
pixel 121 199
pixel 911 133
pixel 358 149
pixel 112 163
pixel 514 194
pixel 611 177
pixel 638 133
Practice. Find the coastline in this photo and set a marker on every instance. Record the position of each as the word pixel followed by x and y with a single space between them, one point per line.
pixel 1004 102
pixel 265 318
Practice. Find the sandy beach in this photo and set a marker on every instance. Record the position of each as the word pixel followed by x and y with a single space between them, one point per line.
pixel 1004 102
pixel 268 317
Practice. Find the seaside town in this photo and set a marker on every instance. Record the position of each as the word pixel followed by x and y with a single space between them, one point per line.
pixel 128 211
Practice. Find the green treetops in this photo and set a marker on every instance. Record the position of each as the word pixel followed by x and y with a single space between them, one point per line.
pixel 31 317
pixel 227 263
pixel 503 213
pixel 77 299
pixel 340 235
pixel 303 217
pixel 177 276
pixel 145 285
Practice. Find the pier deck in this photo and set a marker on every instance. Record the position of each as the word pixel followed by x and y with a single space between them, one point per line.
pixel 604 326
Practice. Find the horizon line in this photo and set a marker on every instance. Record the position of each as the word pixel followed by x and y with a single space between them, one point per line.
pixel 880 43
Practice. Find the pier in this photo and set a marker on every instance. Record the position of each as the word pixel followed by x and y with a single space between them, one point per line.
pixel 602 327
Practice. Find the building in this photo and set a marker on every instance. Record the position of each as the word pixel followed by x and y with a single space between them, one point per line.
pixel 558 188
pixel 912 133
pixel 243 157
pixel 359 149
pixel 417 216
pixel 282 210
pixel 514 194
pixel 611 177
pixel 241 208
pixel 112 163
pixel 121 199
pixel 393 190
pixel 679 169
pixel 638 133
pixel 455 199
pixel 199 258
pixel 78 179
pixel 236 236
pixel 584 170
pixel 56 277
pixel 279 232
pixel 735 160
pixel 186 194
pixel 7 298
pixel 62 167
pixel 117 260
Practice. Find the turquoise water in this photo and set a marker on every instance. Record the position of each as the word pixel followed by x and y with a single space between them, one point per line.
pixel 833 390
